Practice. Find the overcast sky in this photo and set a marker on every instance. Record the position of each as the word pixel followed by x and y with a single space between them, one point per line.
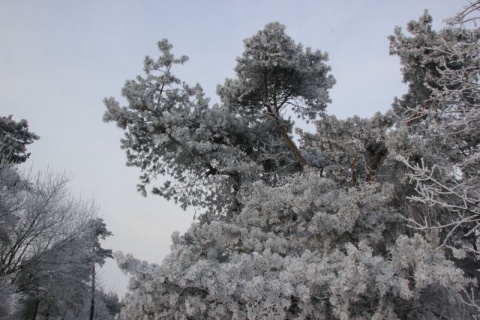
pixel 59 59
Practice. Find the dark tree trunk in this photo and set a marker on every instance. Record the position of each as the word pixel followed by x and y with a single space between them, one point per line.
pixel 92 298
pixel 273 112
pixel 291 145
pixel 35 311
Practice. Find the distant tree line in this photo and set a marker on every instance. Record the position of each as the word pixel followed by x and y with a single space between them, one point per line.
pixel 49 241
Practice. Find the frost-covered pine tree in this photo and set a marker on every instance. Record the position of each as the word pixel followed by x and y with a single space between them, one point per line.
pixel 441 115
pixel 351 151
pixel 171 130
pixel 318 234
pixel 14 137
pixel 210 152
pixel 275 73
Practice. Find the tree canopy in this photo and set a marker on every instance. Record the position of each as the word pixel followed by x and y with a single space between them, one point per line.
pixel 49 241
pixel 212 151
pixel 14 137
pixel 365 219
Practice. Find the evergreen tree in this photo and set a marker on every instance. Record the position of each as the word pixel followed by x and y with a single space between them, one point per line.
pixel 98 231
pixel 212 152
pixel 441 114
pixel 326 238
pixel 14 137
pixel 275 73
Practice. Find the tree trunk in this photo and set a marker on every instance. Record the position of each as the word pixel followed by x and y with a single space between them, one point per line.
pixel 35 311
pixel 372 168
pixel 92 301
pixel 290 144
pixel 281 127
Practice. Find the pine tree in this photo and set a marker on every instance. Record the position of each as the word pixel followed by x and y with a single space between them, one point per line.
pixel 98 231
pixel 14 136
pixel 324 231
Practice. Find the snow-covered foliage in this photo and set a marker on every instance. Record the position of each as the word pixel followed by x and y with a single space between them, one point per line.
pixel 210 152
pixel 324 231
pixel 351 151
pixel 48 243
pixel 8 298
pixel 305 250
pixel 14 136
pixel 170 130
pixel 441 113
pixel 275 73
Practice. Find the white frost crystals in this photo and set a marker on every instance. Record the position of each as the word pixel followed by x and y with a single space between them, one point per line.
pixel 270 262
pixel 322 230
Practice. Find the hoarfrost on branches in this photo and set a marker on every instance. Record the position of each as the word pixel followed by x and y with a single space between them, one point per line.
pixel 365 219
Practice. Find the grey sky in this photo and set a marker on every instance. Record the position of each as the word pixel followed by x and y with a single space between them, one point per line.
pixel 59 59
